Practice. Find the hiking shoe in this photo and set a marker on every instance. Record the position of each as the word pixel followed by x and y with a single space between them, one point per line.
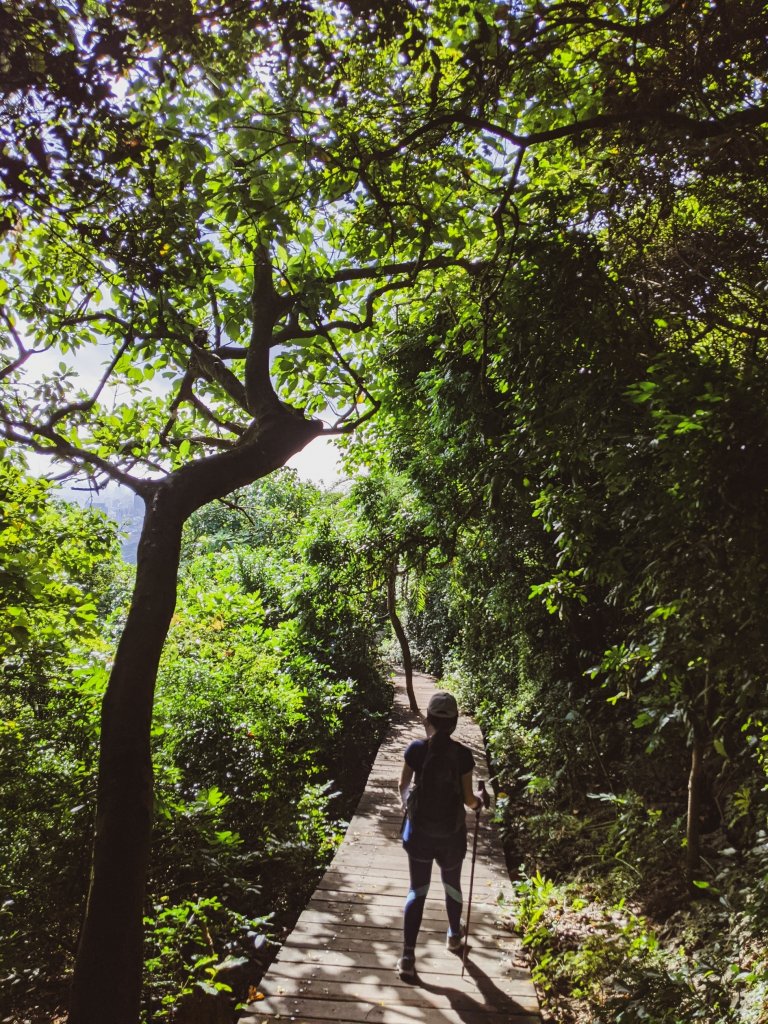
pixel 453 943
pixel 406 966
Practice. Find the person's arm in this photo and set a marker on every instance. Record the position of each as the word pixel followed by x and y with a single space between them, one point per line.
pixel 471 799
pixel 406 775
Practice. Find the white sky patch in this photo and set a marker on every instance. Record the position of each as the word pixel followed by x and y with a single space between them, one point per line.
pixel 319 462
pixel 89 362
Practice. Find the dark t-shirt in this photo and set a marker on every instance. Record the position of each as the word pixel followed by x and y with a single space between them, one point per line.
pixel 447 852
pixel 416 753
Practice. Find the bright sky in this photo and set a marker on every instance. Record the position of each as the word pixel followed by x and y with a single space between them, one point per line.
pixel 318 462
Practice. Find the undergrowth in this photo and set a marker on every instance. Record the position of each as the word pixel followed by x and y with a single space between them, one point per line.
pixel 604 962
pixel 595 834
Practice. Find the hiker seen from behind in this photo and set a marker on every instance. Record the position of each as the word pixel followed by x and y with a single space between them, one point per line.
pixel 435 788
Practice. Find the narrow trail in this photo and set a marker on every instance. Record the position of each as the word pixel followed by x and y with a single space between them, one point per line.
pixel 339 961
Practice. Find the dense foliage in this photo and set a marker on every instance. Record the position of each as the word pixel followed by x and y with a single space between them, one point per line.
pixel 592 442
pixel 589 431
pixel 270 701
pixel 56 585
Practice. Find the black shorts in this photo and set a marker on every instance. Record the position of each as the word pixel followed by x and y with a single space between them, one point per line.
pixel 447 852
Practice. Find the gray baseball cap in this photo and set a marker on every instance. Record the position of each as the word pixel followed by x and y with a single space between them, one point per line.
pixel 442 705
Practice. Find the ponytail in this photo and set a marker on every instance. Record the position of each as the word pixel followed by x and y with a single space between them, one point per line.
pixel 443 727
pixel 438 741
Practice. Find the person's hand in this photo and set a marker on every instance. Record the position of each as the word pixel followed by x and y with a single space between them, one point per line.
pixel 483 796
pixel 404 794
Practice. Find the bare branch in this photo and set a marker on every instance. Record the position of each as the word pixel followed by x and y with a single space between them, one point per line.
pixel 750 118
pixel 88 403
pixel 214 369
pixel 343 427
pixel 30 434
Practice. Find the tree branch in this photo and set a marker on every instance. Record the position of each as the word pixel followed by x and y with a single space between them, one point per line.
pixel 354 326
pixel 202 440
pixel 498 214
pixel 750 118
pixel 212 367
pixel 411 266
pixel 636 31
pixel 24 353
pixel 216 315
pixel 347 365
pixel 267 308
pixel 185 393
pixel 234 428
pixel 341 427
pixel 89 318
pixel 88 403
pixel 58 447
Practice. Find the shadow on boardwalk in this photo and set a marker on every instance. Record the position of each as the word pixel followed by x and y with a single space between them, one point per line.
pixel 338 963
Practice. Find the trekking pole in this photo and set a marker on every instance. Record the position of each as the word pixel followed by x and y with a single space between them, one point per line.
pixel 481 786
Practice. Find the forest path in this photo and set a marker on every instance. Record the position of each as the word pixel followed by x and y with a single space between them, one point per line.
pixel 339 962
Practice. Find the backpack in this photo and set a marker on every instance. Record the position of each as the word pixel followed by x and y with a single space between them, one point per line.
pixel 436 802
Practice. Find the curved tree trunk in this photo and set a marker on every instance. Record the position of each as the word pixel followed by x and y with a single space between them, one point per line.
pixel 108 968
pixel 401 637
pixel 107 982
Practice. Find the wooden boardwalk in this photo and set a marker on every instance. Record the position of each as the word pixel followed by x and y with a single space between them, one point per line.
pixel 339 961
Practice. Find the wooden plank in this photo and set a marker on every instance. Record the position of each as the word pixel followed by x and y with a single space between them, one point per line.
pixel 326 899
pixel 328 982
pixel 489 949
pixel 307 933
pixel 444 997
pixel 350 915
pixel 369 881
pixel 431 960
pixel 454 1010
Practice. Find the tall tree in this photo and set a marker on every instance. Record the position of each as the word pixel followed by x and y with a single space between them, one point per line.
pixel 234 240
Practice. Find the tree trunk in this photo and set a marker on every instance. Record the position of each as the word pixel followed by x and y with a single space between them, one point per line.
pixel 693 852
pixel 107 980
pixel 401 637
pixel 108 969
